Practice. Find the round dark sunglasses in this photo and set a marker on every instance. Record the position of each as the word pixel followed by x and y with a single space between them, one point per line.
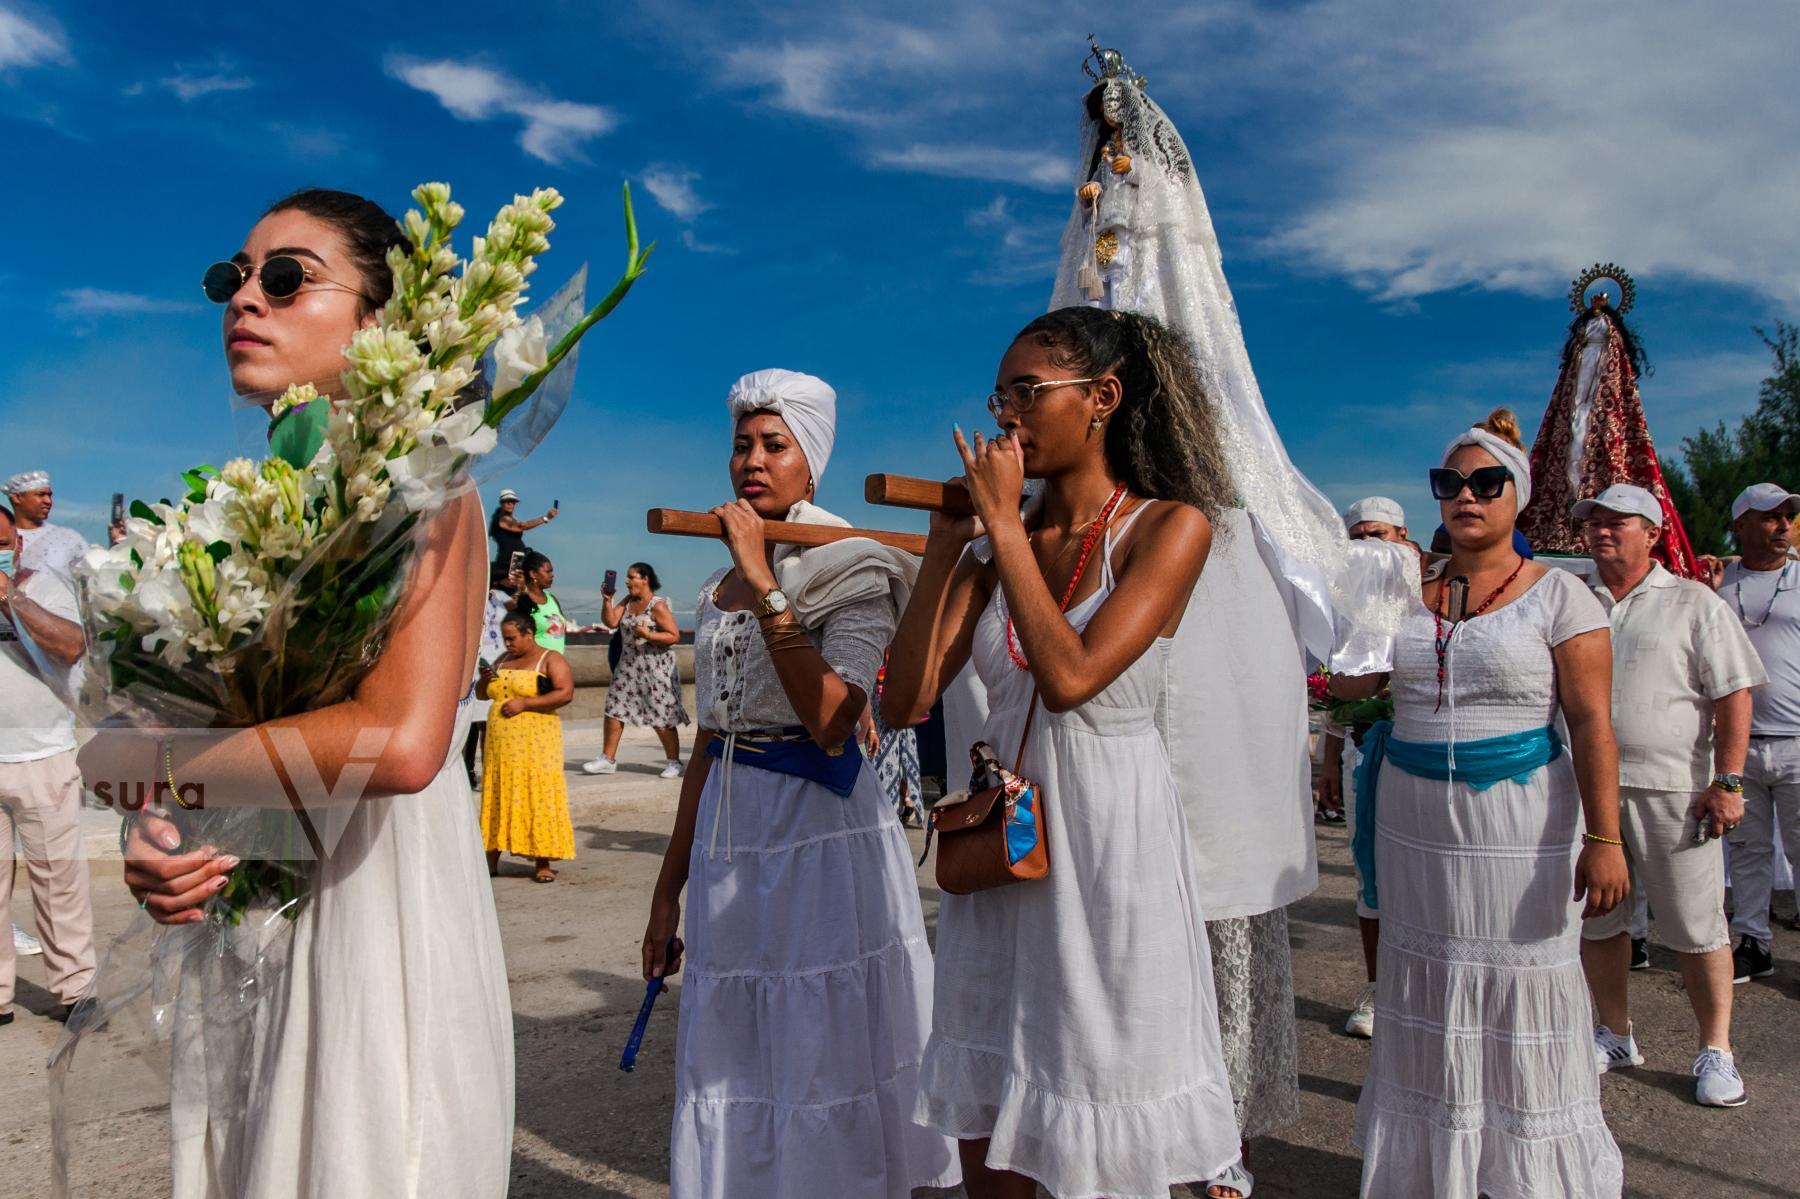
pixel 281 276
pixel 1484 482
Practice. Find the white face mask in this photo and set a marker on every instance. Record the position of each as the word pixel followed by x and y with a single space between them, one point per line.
pixel 6 562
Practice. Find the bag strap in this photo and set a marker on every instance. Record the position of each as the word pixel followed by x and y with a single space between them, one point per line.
pixel 1030 715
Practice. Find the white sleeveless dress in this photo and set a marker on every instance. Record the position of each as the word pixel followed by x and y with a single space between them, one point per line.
pixel 383 1063
pixel 1074 1021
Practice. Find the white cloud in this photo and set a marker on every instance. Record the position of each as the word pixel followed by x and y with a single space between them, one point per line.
pixel 1031 168
pixel 553 130
pixel 190 86
pixel 25 43
pixel 673 188
pixel 88 303
pixel 1494 146
pixel 1514 144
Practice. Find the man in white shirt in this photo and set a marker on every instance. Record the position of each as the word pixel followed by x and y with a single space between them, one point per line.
pixel 42 545
pixel 1683 671
pixel 40 786
pixel 1762 589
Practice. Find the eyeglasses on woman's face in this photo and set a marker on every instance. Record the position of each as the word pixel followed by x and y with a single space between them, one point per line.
pixel 281 276
pixel 1022 396
pixel 1484 482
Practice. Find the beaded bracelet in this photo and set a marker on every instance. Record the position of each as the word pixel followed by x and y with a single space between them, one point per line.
pixel 1597 839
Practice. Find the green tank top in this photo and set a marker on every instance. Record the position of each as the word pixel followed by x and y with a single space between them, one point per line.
pixel 552 628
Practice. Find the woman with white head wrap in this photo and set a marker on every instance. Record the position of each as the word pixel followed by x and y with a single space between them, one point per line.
pixel 1481 1076
pixel 808 992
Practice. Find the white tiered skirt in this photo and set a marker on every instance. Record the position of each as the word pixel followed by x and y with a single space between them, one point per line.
pixel 805 1000
pixel 1481 1075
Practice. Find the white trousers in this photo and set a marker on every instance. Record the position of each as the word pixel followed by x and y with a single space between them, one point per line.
pixel 1771 803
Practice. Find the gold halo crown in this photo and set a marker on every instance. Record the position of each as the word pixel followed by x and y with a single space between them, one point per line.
pixel 1595 273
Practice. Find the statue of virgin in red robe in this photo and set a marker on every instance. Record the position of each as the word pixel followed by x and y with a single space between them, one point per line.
pixel 1594 434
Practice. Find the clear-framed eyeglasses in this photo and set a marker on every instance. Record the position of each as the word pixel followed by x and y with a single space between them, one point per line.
pixel 1023 395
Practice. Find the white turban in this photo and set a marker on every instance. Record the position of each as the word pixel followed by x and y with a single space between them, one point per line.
pixel 31 480
pixel 1505 453
pixel 805 402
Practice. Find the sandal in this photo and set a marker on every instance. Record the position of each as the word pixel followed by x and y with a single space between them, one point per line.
pixel 1233 1178
pixel 545 875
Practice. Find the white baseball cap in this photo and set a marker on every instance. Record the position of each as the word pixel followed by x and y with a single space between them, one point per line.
pixel 1765 497
pixel 1626 498
pixel 1375 507
pixel 509 494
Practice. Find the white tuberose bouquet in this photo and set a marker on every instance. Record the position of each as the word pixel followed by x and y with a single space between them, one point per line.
pixel 268 590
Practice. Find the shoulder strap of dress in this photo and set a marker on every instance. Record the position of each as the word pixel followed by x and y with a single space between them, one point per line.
pixel 1115 530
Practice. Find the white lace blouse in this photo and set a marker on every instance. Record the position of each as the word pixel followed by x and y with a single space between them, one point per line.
pixel 736 688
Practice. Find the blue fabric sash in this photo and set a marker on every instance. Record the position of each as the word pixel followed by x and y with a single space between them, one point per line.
pixel 1479 764
pixel 836 773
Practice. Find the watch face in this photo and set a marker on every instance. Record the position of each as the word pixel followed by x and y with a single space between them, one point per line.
pixel 776 601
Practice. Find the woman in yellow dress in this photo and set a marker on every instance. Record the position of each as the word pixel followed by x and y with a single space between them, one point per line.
pixel 524 798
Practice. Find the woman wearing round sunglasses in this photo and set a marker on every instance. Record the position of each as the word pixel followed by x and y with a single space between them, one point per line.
pixel 386 1063
pixel 1075 1027
pixel 1470 819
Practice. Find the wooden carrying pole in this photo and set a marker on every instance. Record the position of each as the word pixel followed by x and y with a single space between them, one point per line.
pixel 674 521
pixel 923 495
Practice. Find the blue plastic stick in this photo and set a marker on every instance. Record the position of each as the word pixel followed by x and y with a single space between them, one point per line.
pixel 653 988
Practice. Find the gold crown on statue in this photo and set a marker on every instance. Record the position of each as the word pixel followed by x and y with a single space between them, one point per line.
pixel 1603 270
pixel 1102 64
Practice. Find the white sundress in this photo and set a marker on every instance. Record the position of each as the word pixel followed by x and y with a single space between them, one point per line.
pixel 1481 1075
pixel 1075 1021
pixel 384 1064
pixel 806 993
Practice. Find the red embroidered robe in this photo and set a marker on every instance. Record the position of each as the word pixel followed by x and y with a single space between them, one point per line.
pixel 1616 449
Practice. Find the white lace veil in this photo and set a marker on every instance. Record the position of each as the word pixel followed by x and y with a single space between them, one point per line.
pixel 1165 262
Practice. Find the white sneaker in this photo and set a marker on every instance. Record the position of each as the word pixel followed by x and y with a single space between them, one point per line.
pixel 671 771
pixel 1720 1084
pixel 600 765
pixel 1615 1052
pixel 24 944
pixel 1362 1017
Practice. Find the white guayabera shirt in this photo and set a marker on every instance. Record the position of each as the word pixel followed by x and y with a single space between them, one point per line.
pixel 1677 650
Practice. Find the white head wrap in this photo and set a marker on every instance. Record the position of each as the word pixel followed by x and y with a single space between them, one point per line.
pixel 805 402
pixel 30 480
pixel 1505 453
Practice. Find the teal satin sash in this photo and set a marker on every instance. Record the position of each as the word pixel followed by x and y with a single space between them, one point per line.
pixel 1479 764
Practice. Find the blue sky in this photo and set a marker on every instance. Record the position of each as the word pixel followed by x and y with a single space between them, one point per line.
pixel 876 197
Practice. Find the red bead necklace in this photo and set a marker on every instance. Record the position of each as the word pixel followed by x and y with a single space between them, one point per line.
pixel 1442 641
pixel 1087 548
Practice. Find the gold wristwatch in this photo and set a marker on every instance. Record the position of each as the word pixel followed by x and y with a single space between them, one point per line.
pixel 773 604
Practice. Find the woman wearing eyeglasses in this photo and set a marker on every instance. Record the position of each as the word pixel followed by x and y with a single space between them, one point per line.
pixel 1487 846
pixel 385 1065
pixel 1075 1037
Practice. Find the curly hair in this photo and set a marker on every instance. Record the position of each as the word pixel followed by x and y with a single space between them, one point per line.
pixel 1163 442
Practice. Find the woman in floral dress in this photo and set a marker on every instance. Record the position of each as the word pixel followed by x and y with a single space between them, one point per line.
pixel 646 688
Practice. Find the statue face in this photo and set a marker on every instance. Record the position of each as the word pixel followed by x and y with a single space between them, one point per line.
pixel 1600 300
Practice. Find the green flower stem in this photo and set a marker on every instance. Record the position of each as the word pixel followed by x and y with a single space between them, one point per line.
pixel 500 406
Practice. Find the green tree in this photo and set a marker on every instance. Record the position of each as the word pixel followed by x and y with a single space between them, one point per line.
pixel 1718 463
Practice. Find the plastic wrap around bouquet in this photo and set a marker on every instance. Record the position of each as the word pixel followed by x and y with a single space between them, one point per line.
pixel 270 589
